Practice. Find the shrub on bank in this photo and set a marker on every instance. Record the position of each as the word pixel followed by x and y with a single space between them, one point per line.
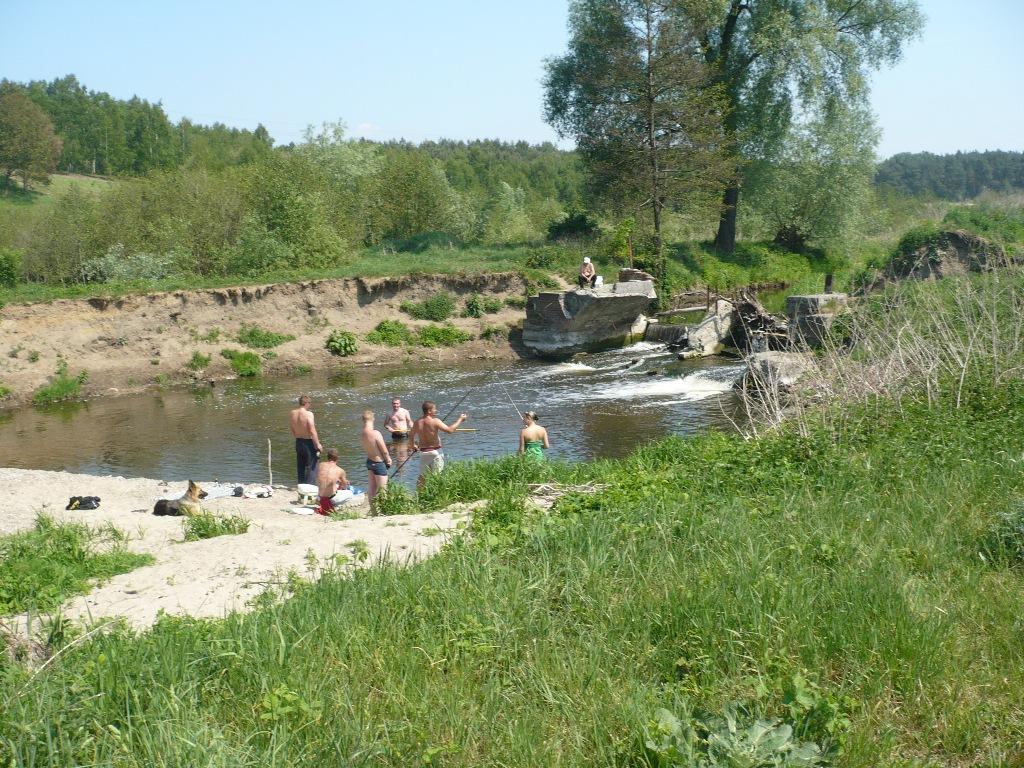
pixel 441 336
pixel 259 338
pixel 390 333
pixel 438 307
pixel 207 525
pixel 341 343
pixel 244 364
pixel 61 386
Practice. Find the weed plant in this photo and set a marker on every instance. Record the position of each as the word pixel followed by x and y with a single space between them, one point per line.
pixel 259 338
pixel 390 333
pixel 61 386
pixel 198 361
pixel 438 307
pixel 207 525
pixel 394 500
pixel 441 336
pixel 43 567
pixel 341 343
pixel 244 364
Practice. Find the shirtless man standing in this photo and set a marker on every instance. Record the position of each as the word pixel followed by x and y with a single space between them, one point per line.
pixel 378 460
pixel 399 421
pixel 329 478
pixel 307 442
pixel 426 440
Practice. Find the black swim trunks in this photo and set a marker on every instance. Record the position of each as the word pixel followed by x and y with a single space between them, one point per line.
pixel 378 468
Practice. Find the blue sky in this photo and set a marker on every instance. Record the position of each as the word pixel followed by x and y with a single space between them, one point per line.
pixel 451 68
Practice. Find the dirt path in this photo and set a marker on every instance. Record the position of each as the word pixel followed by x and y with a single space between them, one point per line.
pixel 134 342
pixel 214 576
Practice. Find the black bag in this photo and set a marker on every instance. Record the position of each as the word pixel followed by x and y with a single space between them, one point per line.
pixel 83 502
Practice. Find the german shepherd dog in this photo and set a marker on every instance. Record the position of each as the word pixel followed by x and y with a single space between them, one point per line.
pixel 186 505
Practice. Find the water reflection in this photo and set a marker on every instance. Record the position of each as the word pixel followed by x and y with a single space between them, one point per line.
pixel 602 405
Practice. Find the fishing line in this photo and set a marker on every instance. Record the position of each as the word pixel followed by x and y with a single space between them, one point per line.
pixel 445 420
pixel 502 384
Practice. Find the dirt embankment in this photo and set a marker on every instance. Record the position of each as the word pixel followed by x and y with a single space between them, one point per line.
pixel 134 342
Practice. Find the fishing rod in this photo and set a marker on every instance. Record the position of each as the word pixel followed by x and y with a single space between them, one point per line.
pixel 445 420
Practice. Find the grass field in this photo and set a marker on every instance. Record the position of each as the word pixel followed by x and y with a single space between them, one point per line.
pixel 844 590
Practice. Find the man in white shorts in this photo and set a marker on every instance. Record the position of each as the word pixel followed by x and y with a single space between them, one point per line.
pixel 426 440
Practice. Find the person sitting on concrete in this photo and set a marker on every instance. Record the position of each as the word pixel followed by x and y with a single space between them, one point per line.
pixel 588 275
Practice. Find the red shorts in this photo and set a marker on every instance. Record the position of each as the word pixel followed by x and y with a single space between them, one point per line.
pixel 326 506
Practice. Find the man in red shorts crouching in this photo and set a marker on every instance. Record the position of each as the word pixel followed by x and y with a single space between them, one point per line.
pixel 329 478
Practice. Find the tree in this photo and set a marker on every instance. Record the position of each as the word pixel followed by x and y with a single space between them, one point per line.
pixel 814 187
pixel 634 93
pixel 777 57
pixel 28 145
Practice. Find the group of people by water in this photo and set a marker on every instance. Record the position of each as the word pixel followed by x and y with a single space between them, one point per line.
pixel 409 436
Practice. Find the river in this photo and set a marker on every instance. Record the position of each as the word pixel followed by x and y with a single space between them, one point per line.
pixel 600 405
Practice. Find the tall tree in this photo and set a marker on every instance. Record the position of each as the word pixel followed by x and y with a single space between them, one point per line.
pixel 778 57
pixel 634 93
pixel 28 145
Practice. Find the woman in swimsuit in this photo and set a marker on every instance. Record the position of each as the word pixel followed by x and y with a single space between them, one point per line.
pixel 533 438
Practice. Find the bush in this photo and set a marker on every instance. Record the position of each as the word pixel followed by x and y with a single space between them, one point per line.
pixel 118 265
pixel 1005 540
pixel 198 361
pixel 438 308
pixel 244 364
pixel 206 525
pixel 493 332
pixel 391 333
pixel 492 305
pixel 61 386
pixel 516 302
pixel 394 500
pixel 474 306
pixel 10 267
pixel 341 343
pixel 441 336
pixel 575 225
pixel 259 338
pixel 425 241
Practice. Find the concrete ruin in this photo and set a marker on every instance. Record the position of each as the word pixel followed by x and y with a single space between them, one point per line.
pixel 560 324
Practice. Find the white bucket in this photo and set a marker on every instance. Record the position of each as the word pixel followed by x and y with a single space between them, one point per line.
pixel 598 281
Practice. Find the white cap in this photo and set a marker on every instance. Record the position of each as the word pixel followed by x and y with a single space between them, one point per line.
pixel 586 259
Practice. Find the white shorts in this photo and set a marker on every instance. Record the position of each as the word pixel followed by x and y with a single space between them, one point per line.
pixel 431 461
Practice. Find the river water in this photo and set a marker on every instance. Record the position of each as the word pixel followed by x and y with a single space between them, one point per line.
pixel 600 405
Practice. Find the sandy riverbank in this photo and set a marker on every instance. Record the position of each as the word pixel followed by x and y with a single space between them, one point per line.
pixel 212 577
pixel 134 342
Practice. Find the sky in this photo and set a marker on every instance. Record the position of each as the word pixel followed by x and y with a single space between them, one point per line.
pixel 454 69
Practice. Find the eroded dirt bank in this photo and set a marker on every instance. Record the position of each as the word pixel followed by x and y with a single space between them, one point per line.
pixel 134 342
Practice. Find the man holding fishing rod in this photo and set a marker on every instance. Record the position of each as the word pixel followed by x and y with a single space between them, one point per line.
pixel 426 440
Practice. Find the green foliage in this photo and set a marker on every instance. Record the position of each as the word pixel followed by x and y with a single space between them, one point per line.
pixel 391 333
pixel 4 391
pixel 733 739
pixel 207 525
pixel 198 361
pixel 492 305
pixel 438 307
pixel 491 332
pixel 516 302
pixel 474 306
pixel 119 266
pixel 926 237
pixel 441 336
pixel 575 225
pixel 244 364
pixel 259 338
pixel 1003 543
pixel 29 147
pixel 61 386
pixel 341 343
pixel 10 267
pixel 959 176
pixel 1004 225
pixel 394 500
pixel 41 568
